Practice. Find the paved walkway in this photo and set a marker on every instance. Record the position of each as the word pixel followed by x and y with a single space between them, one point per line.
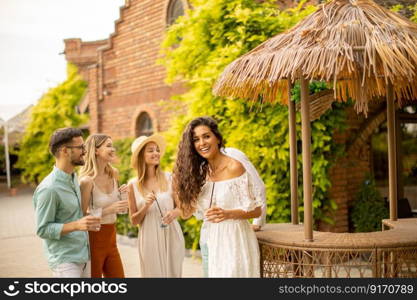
pixel 21 251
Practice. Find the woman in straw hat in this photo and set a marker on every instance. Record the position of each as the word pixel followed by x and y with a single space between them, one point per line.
pixel 160 239
pixel 219 188
pixel 100 192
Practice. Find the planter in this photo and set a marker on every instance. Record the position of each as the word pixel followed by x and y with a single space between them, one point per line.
pixel 13 191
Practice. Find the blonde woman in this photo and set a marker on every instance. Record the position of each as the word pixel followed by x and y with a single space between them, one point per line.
pixel 160 239
pixel 99 189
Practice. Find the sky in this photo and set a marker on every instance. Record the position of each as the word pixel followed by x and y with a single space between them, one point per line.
pixel 31 40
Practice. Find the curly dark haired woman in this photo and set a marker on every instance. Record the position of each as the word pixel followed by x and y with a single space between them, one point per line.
pixel 208 182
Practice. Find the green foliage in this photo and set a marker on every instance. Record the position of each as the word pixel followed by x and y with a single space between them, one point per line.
pixel 368 209
pixel 123 225
pixel 55 109
pixel 123 165
pixel 15 181
pixel 197 48
pixel 397 8
pixel 216 32
pixel 409 11
pixel 191 230
pixel 414 11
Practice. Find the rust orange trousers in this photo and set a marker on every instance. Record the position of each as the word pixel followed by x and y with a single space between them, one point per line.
pixel 105 257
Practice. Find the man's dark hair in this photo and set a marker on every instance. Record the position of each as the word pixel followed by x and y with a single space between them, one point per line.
pixel 61 137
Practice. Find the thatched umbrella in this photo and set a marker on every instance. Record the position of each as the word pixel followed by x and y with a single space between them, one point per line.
pixel 363 49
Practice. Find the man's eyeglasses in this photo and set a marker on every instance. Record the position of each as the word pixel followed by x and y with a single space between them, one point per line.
pixel 81 147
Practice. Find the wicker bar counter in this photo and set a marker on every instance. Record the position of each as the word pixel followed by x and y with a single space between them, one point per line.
pixel 388 253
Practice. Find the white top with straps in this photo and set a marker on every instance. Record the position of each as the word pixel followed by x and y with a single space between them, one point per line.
pixel 101 199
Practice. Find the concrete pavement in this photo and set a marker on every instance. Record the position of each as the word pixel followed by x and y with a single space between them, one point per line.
pixel 21 251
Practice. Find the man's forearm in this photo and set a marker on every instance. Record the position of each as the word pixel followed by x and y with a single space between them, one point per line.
pixel 69 227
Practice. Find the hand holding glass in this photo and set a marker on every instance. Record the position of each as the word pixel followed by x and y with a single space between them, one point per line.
pixel 96 212
pixel 163 225
pixel 168 216
pixel 123 197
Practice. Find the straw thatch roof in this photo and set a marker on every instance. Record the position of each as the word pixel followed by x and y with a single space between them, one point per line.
pixel 358 46
pixel 17 126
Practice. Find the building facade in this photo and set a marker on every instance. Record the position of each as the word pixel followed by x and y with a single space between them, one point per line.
pixel 126 94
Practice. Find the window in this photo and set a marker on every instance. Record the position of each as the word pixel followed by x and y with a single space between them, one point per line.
pixel 406 156
pixel 175 9
pixel 144 125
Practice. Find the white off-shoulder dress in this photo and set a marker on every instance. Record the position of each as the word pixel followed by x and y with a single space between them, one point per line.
pixel 233 249
pixel 161 250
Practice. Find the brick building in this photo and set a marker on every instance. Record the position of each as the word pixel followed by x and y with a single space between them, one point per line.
pixel 364 156
pixel 126 89
pixel 127 95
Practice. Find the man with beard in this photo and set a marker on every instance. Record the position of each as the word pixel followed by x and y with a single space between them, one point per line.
pixel 57 202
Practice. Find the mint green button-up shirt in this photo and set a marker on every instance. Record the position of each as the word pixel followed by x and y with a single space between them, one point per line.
pixel 57 201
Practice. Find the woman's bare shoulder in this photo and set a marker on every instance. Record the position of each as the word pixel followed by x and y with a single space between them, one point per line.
pixel 235 168
pixel 86 182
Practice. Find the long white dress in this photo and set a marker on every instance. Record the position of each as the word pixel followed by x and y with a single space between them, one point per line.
pixel 161 250
pixel 233 249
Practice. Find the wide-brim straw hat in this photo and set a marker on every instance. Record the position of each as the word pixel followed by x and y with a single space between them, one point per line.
pixel 141 141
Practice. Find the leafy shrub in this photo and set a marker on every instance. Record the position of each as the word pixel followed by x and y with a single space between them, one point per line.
pixel 55 109
pixel 123 225
pixel 123 154
pixel 368 209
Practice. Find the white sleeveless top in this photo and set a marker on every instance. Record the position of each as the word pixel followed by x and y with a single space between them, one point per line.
pixel 101 199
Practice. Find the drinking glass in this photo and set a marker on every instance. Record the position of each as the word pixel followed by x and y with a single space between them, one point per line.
pixel 163 213
pixel 96 212
pixel 123 197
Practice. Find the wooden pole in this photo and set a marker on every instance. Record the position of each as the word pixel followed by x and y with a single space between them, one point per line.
pixel 398 148
pixel 6 150
pixel 293 157
pixel 392 157
pixel 306 142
